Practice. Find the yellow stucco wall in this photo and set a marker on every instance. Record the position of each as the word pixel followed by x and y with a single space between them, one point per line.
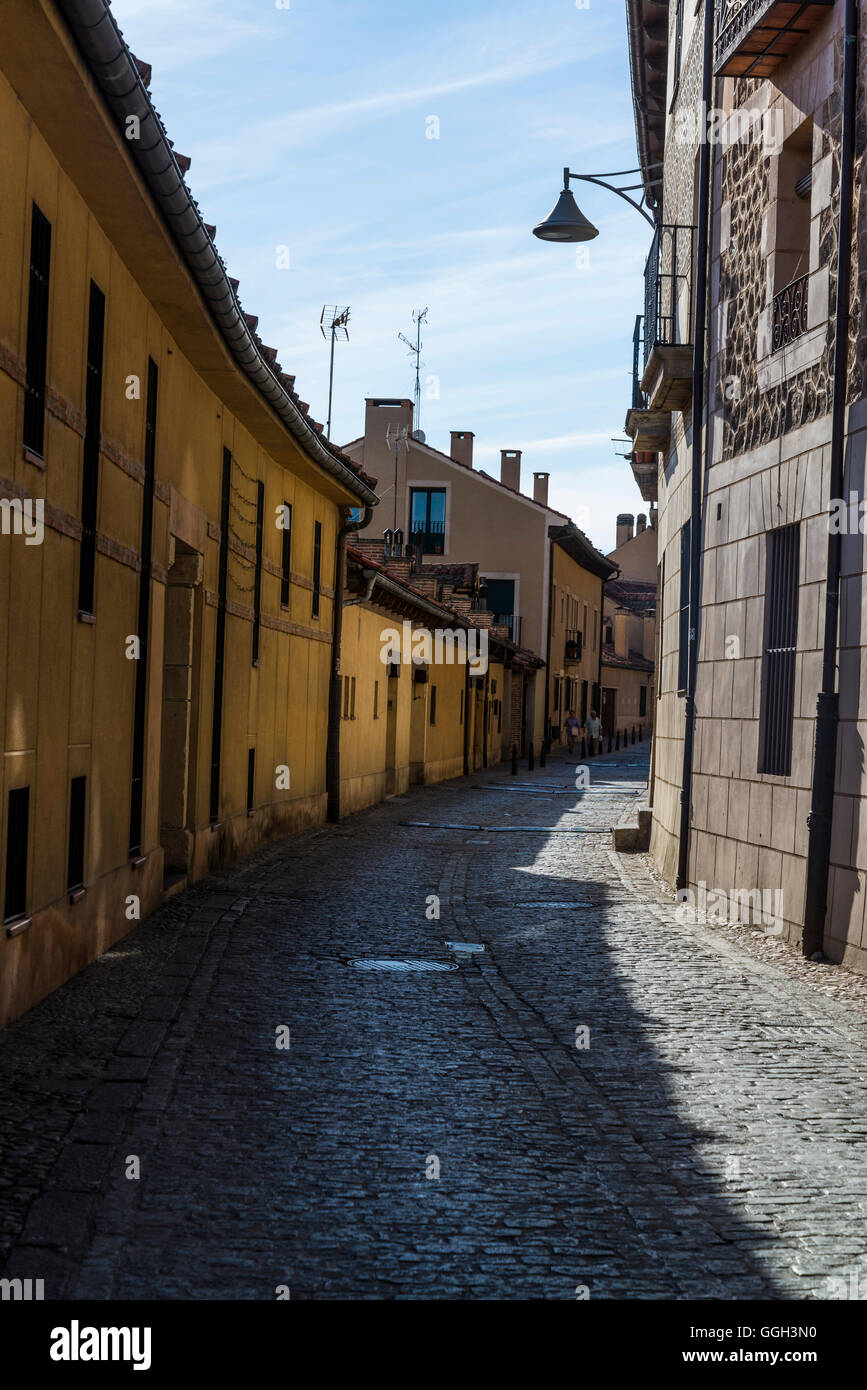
pixel 67 686
pixel 575 589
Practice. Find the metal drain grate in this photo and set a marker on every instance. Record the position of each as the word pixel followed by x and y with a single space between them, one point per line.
pixel 403 966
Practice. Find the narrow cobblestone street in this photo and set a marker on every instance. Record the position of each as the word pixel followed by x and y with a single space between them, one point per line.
pixel 707 1143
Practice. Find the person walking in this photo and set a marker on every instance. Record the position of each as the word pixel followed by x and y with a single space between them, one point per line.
pixel 594 732
pixel 572 727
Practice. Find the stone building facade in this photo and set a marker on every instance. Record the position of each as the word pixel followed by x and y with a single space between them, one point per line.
pixel 774 128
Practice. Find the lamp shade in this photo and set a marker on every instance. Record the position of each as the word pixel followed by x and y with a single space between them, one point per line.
pixel 566 222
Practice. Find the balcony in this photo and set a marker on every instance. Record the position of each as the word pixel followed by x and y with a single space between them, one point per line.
pixel 668 314
pixel 431 538
pixel 790 313
pixel 662 351
pixel 573 647
pixel 754 36
pixel 511 621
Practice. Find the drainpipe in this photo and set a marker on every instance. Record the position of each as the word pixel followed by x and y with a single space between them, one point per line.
pixel 466 718
pixel 698 442
pixel 615 574
pixel 485 718
pixel 370 577
pixel 332 752
pixel 827 709
pixel 546 741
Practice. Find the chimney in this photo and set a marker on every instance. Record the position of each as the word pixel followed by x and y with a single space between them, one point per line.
pixel 641 524
pixel 462 447
pixel 624 528
pixel 510 468
pixel 621 630
pixel 379 414
pixel 540 488
pixel 648 633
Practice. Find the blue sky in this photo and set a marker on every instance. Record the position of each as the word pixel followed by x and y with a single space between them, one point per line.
pixel 307 129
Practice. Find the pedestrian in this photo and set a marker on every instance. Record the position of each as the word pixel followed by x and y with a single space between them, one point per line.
pixel 572 727
pixel 594 731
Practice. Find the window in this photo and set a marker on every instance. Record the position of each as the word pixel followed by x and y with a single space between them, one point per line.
pixel 778 655
pixel 376 699
pixel 427 522
pixel 90 468
pixel 286 556
pixel 317 565
pixel 583 702
pixel 220 639
pixel 433 704
pixel 501 602
pixel 257 575
pixel 144 609
pixel 37 332
pixel 251 776
pixel 683 646
pixel 556 693
pixel 660 619
pixel 17 827
pixel 75 855
pixel 595 626
pixel 642 700
pixel 678 45
pixel 791 250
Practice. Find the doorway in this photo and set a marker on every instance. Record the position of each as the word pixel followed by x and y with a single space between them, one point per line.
pixel 609 710
pixel 391 735
pixel 180 708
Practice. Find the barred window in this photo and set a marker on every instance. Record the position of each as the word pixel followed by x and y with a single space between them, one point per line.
pixel 37 332
pixel 778 655
pixel 683 647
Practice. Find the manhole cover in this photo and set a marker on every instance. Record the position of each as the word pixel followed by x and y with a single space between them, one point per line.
pixel 470 947
pixel 402 965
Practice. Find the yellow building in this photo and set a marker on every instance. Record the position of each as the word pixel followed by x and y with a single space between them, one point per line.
pixel 577 573
pixel 170 521
pixel 411 710
pixel 629 630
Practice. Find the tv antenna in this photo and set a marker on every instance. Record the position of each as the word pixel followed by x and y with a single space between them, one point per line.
pixel 419 316
pixel 334 323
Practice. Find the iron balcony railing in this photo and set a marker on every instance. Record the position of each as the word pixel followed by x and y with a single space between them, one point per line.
pixel 790 313
pixel 512 621
pixel 574 644
pixel 755 36
pixel 734 18
pixel 431 537
pixel 639 399
pixel 668 287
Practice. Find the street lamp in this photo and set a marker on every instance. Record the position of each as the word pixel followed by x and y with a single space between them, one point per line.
pixel 566 222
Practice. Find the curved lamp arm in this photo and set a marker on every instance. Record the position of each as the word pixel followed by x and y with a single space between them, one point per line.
pixel 600 179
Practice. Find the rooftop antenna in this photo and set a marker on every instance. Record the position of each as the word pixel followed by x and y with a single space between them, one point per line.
pixel 419 316
pixel 334 323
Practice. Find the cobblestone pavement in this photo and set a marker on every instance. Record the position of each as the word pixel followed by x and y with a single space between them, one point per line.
pixel 709 1142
